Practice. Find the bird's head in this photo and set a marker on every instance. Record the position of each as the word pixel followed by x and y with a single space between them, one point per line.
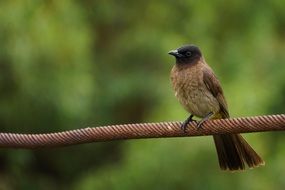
pixel 186 54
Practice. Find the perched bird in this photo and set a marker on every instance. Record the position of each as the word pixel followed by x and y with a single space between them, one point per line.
pixel 199 91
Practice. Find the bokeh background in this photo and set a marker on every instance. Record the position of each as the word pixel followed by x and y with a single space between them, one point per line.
pixel 72 64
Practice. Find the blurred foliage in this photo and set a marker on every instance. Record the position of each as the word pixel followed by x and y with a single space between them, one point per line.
pixel 69 64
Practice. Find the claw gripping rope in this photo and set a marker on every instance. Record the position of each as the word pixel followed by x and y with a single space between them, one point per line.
pixel 142 130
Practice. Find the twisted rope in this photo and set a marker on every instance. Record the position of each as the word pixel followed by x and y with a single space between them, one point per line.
pixel 142 130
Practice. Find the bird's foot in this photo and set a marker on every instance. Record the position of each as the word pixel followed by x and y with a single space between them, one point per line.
pixel 207 117
pixel 200 124
pixel 186 122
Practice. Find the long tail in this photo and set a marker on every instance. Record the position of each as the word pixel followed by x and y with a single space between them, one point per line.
pixel 233 152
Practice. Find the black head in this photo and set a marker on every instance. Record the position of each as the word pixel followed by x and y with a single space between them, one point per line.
pixel 186 54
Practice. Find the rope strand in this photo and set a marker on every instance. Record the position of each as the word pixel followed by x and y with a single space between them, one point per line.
pixel 142 130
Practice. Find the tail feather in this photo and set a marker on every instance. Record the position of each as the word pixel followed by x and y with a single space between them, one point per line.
pixel 233 152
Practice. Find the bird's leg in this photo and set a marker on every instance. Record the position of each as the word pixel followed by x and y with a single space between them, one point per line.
pixel 186 122
pixel 204 119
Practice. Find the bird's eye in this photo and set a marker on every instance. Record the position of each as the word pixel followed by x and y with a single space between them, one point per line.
pixel 188 53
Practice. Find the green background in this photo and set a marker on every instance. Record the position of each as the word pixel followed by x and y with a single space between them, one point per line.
pixel 72 64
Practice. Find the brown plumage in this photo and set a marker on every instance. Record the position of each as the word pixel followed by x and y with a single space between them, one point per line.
pixel 199 91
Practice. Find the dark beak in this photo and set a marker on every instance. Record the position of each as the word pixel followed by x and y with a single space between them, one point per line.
pixel 174 53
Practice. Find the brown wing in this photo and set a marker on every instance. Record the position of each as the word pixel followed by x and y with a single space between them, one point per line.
pixel 213 84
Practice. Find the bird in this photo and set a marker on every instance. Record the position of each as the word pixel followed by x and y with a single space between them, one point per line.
pixel 199 91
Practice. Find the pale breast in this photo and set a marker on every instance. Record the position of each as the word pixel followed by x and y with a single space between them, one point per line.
pixel 191 91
